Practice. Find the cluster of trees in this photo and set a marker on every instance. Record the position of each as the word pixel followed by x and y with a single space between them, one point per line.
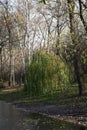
pixel 75 48
pixel 41 42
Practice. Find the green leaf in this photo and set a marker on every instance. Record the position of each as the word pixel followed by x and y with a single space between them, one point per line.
pixel 42 1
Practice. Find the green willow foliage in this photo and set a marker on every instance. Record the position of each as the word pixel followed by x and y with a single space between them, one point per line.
pixel 45 74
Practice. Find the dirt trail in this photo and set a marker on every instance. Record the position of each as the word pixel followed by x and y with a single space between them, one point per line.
pixel 62 112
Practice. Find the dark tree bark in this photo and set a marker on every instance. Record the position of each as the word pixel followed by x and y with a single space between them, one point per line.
pixel 76 62
pixel 79 75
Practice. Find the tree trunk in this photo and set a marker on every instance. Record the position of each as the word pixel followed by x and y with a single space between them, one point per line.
pixel 12 73
pixel 77 66
pixel 79 76
pixel 1 64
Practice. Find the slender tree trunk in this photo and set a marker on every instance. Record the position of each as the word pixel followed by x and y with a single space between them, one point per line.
pixel 1 64
pixel 81 16
pixel 12 73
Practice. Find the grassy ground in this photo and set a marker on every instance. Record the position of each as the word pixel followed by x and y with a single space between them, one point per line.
pixel 68 97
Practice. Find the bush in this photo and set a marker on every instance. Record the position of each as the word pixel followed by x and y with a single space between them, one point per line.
pixel 46 73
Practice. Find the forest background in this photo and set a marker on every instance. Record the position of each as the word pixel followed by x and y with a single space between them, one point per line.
pixel 43 45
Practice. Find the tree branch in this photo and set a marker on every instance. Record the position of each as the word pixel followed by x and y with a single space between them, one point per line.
pixel 81 16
